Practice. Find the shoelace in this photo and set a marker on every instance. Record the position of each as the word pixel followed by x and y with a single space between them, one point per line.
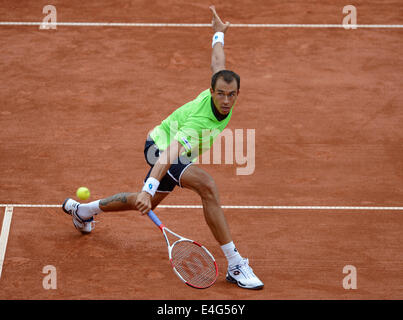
pixel 246 270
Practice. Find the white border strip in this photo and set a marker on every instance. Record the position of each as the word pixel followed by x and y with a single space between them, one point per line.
pixel 5 229
pixel 287 207
pixel 195 25
pixel 233 207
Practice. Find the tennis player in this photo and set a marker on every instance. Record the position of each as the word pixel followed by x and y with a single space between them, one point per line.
pixel 171 149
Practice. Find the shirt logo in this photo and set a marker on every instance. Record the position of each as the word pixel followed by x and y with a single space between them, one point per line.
pixel 187 143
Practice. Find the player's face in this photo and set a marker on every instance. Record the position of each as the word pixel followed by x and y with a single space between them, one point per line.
pixel 224 95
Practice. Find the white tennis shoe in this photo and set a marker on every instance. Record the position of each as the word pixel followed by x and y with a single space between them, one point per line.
pixel 242 274
pixel 70 206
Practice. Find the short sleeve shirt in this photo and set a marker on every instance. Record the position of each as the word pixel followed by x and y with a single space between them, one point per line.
pixel 193 125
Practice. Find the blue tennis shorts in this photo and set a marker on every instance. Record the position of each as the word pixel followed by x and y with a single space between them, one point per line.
pixel 173 176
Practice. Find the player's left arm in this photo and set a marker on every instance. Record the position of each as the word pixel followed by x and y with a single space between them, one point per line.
pixel 218 55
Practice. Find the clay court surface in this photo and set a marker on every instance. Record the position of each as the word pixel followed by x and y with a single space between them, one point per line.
pixel 76 105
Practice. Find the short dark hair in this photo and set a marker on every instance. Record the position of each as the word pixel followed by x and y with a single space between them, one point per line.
pixel 227 75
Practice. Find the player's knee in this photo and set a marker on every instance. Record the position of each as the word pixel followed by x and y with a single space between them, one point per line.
pixel 208 188
pixel 201 182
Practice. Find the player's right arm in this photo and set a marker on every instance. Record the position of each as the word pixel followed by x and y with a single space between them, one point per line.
pixel 217 55
pixel 170 154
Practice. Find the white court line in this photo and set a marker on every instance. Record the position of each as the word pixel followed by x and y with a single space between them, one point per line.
pixel 197 25
pixel 8 213
pixel 235 207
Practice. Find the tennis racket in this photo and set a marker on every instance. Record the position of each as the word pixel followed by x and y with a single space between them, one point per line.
pixel 191 262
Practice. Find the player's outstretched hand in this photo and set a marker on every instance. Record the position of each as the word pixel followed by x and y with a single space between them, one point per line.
pixel 143 202
pixel 217 24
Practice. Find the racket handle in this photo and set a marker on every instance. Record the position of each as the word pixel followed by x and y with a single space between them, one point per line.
pixel 154 218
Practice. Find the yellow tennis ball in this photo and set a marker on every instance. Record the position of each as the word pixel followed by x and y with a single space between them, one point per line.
pixel 83 193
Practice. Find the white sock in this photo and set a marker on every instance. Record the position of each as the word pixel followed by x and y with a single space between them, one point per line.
pixel 87 210
pixel 231 253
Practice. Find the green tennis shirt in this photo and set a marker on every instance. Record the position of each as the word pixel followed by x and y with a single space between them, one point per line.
pixel 193 125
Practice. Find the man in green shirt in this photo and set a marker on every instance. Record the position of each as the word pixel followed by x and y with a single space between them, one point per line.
pixel 171 149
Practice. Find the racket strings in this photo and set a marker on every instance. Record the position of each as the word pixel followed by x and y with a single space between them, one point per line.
pixel 194 264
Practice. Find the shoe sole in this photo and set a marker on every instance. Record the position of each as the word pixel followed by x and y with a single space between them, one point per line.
pixel 63 206
pixel 232 280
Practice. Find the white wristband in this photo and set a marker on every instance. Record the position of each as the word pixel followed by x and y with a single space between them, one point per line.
pixel 151 186
pixel 218 37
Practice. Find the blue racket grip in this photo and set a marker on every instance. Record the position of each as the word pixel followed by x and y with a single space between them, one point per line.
pixel 154 218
